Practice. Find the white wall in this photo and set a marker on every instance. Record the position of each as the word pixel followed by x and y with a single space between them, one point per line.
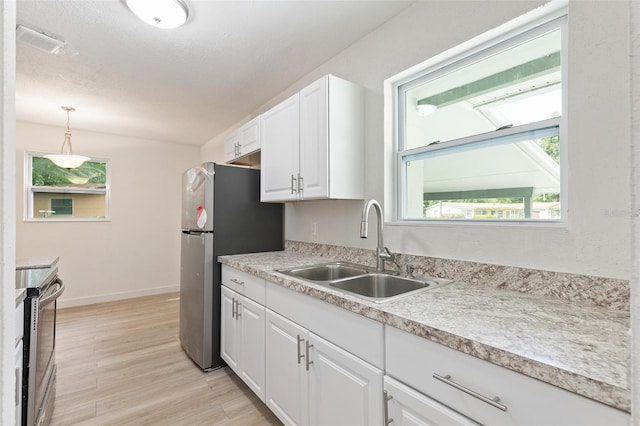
pixel 635 208
pixel 596 240
pixel 7 211
pixel 137 252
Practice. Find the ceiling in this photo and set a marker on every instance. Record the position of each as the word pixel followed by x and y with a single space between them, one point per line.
pixel 186 85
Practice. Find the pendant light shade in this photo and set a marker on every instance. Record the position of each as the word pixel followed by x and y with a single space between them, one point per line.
pixel 165 14
pixel 66 159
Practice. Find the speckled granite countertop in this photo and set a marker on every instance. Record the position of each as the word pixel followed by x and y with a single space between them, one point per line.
pixel 583 349
pixel 21 294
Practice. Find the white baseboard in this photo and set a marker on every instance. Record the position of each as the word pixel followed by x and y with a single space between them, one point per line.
pixel 90 300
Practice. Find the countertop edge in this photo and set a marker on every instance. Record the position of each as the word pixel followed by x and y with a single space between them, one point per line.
pixel 21 295
pixel 595 390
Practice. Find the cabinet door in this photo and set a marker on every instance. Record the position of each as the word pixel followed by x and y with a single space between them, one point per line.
pixel 314 144
pixel 230 147
pixel 410 408
pixel 343 389
pixel 287 393
pixel 251 346
pixel 280 135
pixel 229 327
pixel 249 137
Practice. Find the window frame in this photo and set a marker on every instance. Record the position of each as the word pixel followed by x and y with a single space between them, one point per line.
pixel 30 190
pixel 481 47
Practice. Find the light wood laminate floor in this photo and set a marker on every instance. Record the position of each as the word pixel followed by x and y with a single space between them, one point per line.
pixel 120 363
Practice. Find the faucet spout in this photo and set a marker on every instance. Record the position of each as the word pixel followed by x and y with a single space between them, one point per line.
pixel 382 252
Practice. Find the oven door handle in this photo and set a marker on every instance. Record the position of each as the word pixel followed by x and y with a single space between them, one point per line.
pixel 58 282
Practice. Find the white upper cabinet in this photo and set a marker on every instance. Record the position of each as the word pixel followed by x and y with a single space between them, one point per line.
pixel 313 144
pixel 249 137
pixel 231 147
pixel 242 142
pixel 281 151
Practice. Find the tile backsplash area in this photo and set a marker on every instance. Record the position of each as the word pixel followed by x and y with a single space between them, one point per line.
pixel 597 291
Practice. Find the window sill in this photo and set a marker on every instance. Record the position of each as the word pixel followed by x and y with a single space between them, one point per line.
pixel 481 224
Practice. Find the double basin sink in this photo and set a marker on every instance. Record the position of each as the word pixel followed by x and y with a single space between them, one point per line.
pixel 364 282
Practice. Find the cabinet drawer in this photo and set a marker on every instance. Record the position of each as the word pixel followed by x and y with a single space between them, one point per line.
pixel 526 401
pixel 243 283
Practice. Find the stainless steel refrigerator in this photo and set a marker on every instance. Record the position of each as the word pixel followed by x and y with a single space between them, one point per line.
pixel 221 214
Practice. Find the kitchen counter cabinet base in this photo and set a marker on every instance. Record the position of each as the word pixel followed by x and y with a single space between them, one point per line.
pixel 414 361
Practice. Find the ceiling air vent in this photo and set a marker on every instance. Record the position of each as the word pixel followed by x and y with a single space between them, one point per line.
pixel 39 40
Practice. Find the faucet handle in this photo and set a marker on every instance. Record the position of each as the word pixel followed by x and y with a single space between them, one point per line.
pixel 385 253
pixel 410 269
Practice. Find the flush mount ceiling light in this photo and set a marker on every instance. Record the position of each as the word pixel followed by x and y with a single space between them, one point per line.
pixel 165 14
pixel 66 159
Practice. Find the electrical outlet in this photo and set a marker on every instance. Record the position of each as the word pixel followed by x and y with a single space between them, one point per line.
pixel 314 229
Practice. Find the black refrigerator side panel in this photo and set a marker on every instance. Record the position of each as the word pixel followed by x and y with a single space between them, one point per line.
pixel 242 224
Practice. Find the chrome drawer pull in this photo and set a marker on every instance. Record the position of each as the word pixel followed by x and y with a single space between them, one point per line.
pixel 494 402
pixel 306 353
pixel 233 280
pixel 387 398
pixel 300 356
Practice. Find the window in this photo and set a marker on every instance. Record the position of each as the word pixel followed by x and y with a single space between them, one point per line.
pixel 479 136
pixel 57 194
pixel 62 206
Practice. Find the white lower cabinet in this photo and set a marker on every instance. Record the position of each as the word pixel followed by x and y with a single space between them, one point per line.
pixel 287 393
pixel 343 389
pixel 485 392
pixel 406 407
pixel 314 363
pixel 311 381
pixel 243 339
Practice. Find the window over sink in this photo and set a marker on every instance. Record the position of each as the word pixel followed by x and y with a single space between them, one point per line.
pixel 58 194
pixel 480 132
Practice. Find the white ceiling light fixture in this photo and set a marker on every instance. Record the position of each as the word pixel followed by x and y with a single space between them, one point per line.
pixel 66 159
pixel 165 14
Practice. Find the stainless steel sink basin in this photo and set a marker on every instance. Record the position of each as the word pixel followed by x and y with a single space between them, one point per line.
pixel 379 286
pixel 364 282
pixel 326 272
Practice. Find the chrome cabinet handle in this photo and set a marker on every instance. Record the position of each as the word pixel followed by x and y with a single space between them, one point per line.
pixel 306 353
pixel 239 149
pixel 233 280
pixel 494 402
pixel 233 307
pixel 387 398
pixel 293 180
pixel 300 356
pixel 300 186
pixel 238 304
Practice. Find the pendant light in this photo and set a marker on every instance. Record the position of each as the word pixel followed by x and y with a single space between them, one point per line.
pixel 165 14
pixel 66 159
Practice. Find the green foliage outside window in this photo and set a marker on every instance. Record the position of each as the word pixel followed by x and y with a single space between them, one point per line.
pixel 45 173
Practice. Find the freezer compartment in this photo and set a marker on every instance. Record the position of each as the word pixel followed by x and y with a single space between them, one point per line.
pixel 197 198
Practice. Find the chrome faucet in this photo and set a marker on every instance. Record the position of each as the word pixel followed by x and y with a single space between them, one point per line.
pixel 382 253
